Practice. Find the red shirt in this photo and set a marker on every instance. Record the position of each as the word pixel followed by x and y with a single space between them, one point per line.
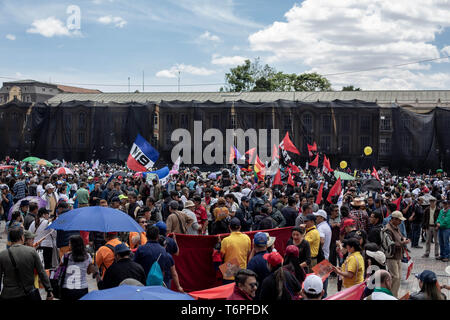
pixel 201 214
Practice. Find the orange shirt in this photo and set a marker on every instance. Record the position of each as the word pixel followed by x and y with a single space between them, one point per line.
pixel 143 239
pixel 104 257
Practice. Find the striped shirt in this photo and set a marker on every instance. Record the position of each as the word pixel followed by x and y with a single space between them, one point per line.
pixel 19 190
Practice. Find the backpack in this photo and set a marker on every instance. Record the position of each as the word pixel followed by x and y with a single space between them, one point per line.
pixel 387 243
pixel 155 276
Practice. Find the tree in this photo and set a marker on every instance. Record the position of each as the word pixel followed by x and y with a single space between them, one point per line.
pixel 350 88
pixel 256 77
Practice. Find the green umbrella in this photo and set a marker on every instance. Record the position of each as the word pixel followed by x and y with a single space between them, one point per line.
pixel 439 171
pixel 343 175
pixel 43 162
pixel 31 159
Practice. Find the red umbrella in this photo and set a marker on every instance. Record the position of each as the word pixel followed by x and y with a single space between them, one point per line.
pixel 63 170
pixel 6 167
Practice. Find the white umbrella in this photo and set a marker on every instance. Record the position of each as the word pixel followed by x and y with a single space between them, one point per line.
pixel 63 170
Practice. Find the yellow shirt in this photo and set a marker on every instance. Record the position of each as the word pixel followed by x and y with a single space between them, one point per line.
pixel 313 237
pixel 236 245
pixel 354 263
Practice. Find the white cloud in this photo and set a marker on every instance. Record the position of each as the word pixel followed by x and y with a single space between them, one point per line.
pixel 208 36
pixel 331 36
pixel 49 27
pixel 173 71
pixel 117 21
pixel 11 37
pixel 446 50
pixel 227 61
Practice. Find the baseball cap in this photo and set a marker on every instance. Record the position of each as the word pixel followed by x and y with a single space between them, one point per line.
pixel 397 214
pixel 273 258
pixel 349 223
pixel 122 196
pixel 321 213
pixel 313 284
pixel 292 251
pixel 379 256
pixel 310 217
pixel 260 239
pixel 49 186
pixel 29 235
pixel 235 222
pixel 161 226
pixel 122 247
pixel 427 276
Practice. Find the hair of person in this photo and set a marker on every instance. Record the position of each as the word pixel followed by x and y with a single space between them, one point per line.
pixel 299 230
pixel 33 206
pixel 312 296
pixel 234 228
pixel 241 275
pixel 162 241
pixel 131 195
pixel 431 291
pixel 392 207
pixel 378 215
pixel 197 199
pixel 79 253
pixel 152 233
pixel 291 201
pixel 221 201
pixel 173 193
pixel 333 207
pixel 295 263
pixel 151 200
pixel 15 234
pixel 305 207
pixel 344 211
pixel 384 275
pixel 265 210
pixel 15 215
pixel 280 279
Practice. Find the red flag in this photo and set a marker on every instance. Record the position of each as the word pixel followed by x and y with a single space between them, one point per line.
pixel 312 148
pixel 287 144
pixel 335 190
pixel 293 169
pixel 251 153
pixel 398 202
pixel 290 181
pixel 315 162
pixel 275 153
pixel 326 164
pixel 319 196
pixel 352 293
pixel 232 155
pixel 277 179
pixel 375 174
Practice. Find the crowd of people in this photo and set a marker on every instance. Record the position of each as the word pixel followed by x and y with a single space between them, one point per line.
pixel 364 235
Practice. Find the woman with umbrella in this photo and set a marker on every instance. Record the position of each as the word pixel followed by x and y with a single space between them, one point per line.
pixel 47 238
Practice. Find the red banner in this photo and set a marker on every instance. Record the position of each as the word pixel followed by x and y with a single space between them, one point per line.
pixel 195 266
pixel 352 293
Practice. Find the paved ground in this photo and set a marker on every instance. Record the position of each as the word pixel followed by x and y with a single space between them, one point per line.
pixel 411 285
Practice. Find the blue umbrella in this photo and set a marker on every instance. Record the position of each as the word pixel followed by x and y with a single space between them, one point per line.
pixel 95 219
pixel 126 292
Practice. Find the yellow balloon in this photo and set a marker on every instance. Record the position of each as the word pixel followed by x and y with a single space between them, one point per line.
pixel 343 164
pixel 367 151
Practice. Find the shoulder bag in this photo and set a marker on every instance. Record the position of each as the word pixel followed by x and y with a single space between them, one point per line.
pixel 33 294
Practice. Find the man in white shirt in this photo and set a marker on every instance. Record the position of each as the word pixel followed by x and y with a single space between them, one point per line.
pixel 189 208
pixel 324 231
pixel 383 286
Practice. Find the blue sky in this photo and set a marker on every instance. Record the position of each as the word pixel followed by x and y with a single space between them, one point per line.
pixel 118 39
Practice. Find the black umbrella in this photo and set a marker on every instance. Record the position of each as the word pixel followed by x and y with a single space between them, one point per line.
pixel 371 185
pixel 56 161
pixel 120 173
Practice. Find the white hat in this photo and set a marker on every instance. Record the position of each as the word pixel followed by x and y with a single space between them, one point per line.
pixel 48 186
pixel 379 256
pixel 321 213
pixel 313 284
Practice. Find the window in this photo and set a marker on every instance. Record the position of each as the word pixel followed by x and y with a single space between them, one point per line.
pixel 325 143
pixel 215 121
pixel 346 124
pixel 155 119
pixel 364 141
pixel 169 122
pixel 68 121
pixel 385 123
pixel 233 121
pixel 407 144
pixel 385 146
pixel 183 121
pixel 365 124
pixel 406 122
pixel 326 124
pixel 287 125
pixel 82 120
pixel 345 145
pixel 81 138
pixel 307 121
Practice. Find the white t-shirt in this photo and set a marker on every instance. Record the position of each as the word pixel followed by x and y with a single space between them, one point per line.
pixel 325 232
pixel 381 296
pixel 76 274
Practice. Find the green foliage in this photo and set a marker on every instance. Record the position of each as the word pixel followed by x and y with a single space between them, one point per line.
pixel 255 77
pixel 350 88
